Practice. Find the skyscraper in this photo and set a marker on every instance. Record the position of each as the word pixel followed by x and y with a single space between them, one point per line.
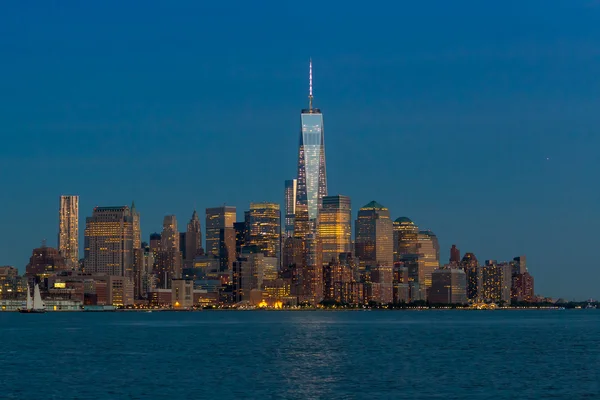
pixel 335 227
pixel 193 237
pixel 217 218
pixel 170 234
pixel 374 235
pixel 109 241
pixel 428 249
pixel 68 230
pixel 454 254
pixel 264 228
pixel 312 177
pixel 290 207
pixel 137 231
pixel 405 238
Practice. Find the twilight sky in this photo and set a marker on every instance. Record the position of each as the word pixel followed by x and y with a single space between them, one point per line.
pixel 478 120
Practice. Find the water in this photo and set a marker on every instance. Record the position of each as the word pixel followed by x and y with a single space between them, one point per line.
pixel 301 355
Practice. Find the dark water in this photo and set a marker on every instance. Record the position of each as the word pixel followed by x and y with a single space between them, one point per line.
pixel 301 355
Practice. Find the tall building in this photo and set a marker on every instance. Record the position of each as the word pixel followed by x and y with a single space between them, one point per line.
pixel 193 237
pixel 405 238
pixel 263 222
pixel 45 261
pixel 449 286
pixel 312 176
pixel 335 227
pixel 227 249
pixel 137 231
pixel 109 241
pixel 68 230
pixel 470 265
pixel 496 279
pixel 374 235
pixel 290 207
pixel 170 234
pixel 454 254
pixel 217 218
pixel 428 249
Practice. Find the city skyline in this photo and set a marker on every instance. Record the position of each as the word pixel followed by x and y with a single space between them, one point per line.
pixel 489 147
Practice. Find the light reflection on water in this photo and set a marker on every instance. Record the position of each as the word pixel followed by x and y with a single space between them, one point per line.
pixel 301 355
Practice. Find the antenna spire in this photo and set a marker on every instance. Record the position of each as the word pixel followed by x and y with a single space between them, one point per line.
pixel 310 94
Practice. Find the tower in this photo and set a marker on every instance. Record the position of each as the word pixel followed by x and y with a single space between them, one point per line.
pixel 335 227
pixel 290 206
pixel 374 235
pixel 68 230
pixel 193 237
pixel 263 222
pixel 312 177
pixel 170 234
pixel 217 218
pixel 109 241
pixel 137 232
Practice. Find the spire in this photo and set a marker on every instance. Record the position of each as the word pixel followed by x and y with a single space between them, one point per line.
pixel 133 205
pixel 310 94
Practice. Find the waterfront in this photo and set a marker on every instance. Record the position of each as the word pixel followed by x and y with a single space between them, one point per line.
pixel 376 354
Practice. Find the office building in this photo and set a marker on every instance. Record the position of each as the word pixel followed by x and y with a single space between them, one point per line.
pixel 405 237
pixel 137 231
pixel 170 234
pixel 454 255
pixel 449 286
pixel 428 250
pixel 312 176
pixel 193 238
pixel 374 235
pixel 335 227
pixel 109 241
pixel 217 218
pixel 263 222
pixel 470 265
pixel 68 230
pixel 290 206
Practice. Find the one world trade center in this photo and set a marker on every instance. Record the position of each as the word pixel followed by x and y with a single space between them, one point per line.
pixel 312 177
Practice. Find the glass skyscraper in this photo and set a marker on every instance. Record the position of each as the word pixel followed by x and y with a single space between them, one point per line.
pixel 312 177
pixel 290 207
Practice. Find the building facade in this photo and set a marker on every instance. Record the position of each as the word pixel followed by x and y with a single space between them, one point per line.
pixel 193 238
pixel 406 235
pixel 449 286
pixel 263 222
pixel 312 175
pixel 68 230
pixel 290 206
pixel 335 227
pixel 374 235
pixel 109 241
pixel 217 218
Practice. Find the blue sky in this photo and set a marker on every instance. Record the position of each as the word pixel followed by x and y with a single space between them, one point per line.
pixel 478 120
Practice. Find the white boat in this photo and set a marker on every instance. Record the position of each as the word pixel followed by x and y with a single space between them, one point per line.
pixel 35 305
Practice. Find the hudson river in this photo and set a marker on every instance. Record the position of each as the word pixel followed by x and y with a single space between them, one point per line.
pixel 301 355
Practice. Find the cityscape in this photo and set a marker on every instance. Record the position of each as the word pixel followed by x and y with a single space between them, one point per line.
pixel 303 254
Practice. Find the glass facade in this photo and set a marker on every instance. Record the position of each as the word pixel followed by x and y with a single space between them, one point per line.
pixel 374 235
pixel 216 219
pixel 312 180
pixel 335 227
pixel 264 228
pixel 68 230
pixel 290 206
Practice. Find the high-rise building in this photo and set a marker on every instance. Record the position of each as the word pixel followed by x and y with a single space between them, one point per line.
pixel 170 234
pixel 335 227
pixel 227 249
pixel 217 218
pixel 193 238
pixel 405 238
pixel 137 231
pixel 522 287
pixel 454 255
pixel 263 222
pixel 155 240
pixel 290 207
pixel 470 265
pixel 312 176
pixel 449 286
pixel 109 241
pixel 496 281
pixel 68 230
pixel 428 249
pixel 45 261
pixel 374 235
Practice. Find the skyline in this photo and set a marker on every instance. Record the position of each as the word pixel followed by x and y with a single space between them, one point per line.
pixel 464 132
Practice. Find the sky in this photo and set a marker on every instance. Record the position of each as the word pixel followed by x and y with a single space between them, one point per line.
pixel 477 120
